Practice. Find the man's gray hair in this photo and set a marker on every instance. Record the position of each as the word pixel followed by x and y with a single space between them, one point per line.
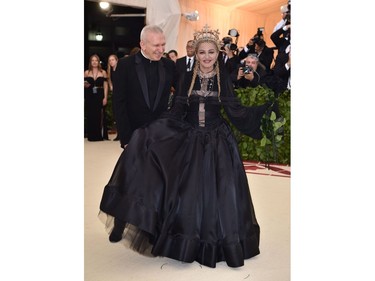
pixel 150 29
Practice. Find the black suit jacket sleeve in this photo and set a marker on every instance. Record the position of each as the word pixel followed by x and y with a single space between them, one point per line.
pixel 181 66
pixel 277 39
pixel 266 57
pixel 119 102
pixel 243 54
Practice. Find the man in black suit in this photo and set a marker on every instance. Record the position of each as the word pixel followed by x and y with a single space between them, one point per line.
pixel 144 82
pixel 186 63
pixel 263 52
pixel 230 60
pixel 281 70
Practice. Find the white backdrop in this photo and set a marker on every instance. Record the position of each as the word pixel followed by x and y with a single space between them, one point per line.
pixel 164 13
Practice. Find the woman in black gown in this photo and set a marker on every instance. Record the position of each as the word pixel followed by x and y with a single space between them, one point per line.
pixel 111 71
pixel 96 93
pixel 179 189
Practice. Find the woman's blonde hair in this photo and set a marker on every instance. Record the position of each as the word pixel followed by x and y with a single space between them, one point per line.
pixel 109 67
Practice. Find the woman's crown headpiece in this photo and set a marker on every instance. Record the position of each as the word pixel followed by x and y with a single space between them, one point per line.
pixel 207 34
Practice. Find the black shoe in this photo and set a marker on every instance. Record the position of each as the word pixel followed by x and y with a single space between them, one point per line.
pixel 118 229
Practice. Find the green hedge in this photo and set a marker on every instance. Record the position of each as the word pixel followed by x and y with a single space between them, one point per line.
pixel 274 147
pixel 109 112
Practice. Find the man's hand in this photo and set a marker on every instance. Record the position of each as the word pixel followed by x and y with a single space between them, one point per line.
pixel 249 76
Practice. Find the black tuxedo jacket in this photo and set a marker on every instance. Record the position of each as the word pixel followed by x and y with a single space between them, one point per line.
pixel 181 65
pixel 131 101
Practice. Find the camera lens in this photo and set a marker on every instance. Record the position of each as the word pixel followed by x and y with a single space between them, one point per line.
pixel 247 69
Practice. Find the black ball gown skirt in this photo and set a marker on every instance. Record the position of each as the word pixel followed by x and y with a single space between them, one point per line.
pixel 183 192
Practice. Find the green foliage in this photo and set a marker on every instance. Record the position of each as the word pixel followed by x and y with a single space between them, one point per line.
pixel 272 131
pixel 109 112
pixel 275 144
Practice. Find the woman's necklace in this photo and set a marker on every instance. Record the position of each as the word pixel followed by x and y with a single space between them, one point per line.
pixel 206 87
pixel 206 81
pixel 206 74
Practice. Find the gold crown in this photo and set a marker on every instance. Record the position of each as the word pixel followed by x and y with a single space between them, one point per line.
pixel 207 34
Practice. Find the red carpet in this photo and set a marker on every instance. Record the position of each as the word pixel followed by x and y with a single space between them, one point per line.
pixel 258 168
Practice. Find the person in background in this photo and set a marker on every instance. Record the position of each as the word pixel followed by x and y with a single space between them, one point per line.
pixel 285 13
pixel 232 60
pixel 249 48
pixel 173 55
pixel 180 188
pixel 134 50
pixel 96 93
pixel 186 63
pixel 144 80
pixel 262 51
pixel 111 71
pixel 250 74
pixel 281 69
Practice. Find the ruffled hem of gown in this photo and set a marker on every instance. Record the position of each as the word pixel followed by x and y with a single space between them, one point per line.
pixel 185 249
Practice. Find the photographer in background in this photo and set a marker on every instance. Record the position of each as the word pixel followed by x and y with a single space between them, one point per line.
pixel 250 46
pixel 281 70
pixel 285 17
pixel 264 53
pixel 230 59
pixel 249 74
pixel 223 56
pixel 258 46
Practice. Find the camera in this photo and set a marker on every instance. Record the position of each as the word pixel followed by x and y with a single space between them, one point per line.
pixel 247 69
pixel 227 41
pixel 260 31
pixel 255 39
pixel 258 36
pixel 231 46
